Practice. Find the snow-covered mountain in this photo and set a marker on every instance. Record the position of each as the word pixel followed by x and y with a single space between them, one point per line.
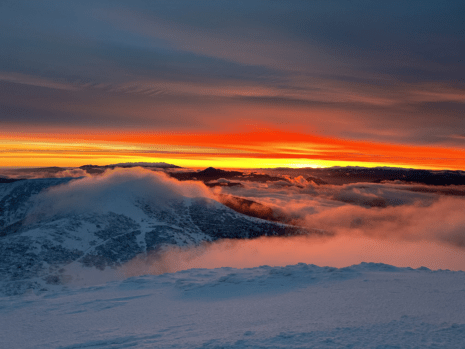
pixel 102 222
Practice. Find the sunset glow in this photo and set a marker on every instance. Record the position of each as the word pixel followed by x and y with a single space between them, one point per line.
pixel 292 84
pixel 268 148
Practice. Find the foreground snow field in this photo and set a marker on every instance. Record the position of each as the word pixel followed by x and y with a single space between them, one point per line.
pixel 300 306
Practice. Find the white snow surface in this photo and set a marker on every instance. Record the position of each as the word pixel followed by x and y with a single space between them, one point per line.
pixel 299 306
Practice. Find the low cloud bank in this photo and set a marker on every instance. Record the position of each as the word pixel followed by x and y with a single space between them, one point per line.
pixel 442 221
pixel 116 191
pixel 385 211
pixel 339 251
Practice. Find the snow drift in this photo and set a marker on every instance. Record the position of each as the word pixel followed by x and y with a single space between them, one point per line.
pixel 300 306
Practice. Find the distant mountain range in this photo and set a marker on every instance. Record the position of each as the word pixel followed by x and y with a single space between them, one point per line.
pixel 346 175
pixel 210 175
pixel 379 174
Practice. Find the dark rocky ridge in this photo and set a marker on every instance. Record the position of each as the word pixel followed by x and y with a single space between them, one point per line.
pixel 213 174
pixel 8 180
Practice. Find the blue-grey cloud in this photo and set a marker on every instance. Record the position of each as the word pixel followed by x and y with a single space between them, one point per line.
pixel 391 66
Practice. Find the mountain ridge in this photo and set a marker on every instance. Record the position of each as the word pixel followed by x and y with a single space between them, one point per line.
pixel 40 235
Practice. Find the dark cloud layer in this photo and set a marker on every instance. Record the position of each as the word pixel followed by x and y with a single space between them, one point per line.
pixel 388 71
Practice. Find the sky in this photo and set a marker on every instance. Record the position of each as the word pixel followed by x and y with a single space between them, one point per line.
pixel 233 83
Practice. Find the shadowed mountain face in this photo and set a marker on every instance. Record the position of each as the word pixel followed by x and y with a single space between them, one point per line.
pixel 209 174
pixel 213 174
pixel 8 180
pixel 316 180
pixel 36 244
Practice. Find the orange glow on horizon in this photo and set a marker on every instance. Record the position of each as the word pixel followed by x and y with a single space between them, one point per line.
pixel 264 148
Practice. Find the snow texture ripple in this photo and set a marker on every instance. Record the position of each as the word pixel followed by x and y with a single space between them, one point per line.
pixel 299 306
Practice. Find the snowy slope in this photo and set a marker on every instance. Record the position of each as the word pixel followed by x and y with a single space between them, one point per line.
pixel 47 224
pixel 300 306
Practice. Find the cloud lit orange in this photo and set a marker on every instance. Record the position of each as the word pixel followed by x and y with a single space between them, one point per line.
pixel 260 148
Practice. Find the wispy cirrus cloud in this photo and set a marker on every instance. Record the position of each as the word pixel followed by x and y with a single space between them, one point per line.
pixel 348 70
pixel 24 79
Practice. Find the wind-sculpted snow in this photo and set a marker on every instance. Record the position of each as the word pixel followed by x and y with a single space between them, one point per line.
pixel 298 306
pixel 104 222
